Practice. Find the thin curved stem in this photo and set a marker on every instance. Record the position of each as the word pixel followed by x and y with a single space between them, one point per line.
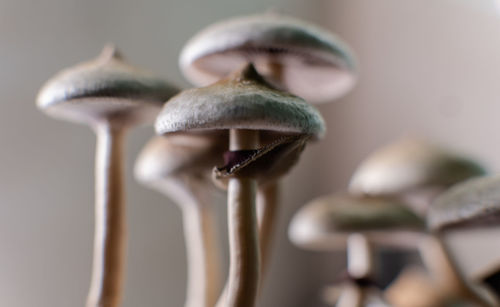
pixel 110 220
pixel 267 213
pixel 202 250
pixel 244 254
pixel 443 269
pixel 203 260
pixel 244 269
pixel 267 207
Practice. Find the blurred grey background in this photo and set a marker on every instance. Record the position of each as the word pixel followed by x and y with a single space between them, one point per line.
pixel 427 67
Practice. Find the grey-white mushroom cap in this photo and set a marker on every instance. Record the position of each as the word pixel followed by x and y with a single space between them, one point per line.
pixel 473 203
pixel 105 89
pixel 242 101
pixel 179 155
pixel 411 164
pixel 313 63
pixel 326 222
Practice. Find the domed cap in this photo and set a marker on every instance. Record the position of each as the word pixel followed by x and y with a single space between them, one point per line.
pixel 312 62
pixel 179 154
pixel 246 101
pixel 475 202
pixel 105 89
pixel 411 164
pixel 242 101
pixel 326 222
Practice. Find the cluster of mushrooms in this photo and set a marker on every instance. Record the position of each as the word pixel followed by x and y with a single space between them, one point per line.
pixel 244 126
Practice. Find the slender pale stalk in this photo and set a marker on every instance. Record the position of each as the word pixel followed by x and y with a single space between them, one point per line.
pixel 359 266
pixel 351 296
pixel 267 213
pixel 110 220
pixel 203 260
pixel 443 269
pixel 268 195
pixel 359 256
pixel 267 207
pixel 244 266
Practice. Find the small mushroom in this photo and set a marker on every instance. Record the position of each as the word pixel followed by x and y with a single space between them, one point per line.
pixel 341 222
pixel 252 111
pixel 110 96
pixel 468 217
pixel 413 169
pixel 291 54
pixel 180 167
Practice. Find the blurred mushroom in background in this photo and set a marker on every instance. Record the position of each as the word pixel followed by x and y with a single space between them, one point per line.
pixel 467 218
pixel 180 167
pixel 413 169
pixel 355 224
pixel 111 96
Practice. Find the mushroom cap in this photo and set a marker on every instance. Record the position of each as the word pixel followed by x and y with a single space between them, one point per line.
pixel 191 154
pixel 475 202
pixel 326 222
pixel 409 165
pixel 105 89
pixel 242 101
pixel 312 62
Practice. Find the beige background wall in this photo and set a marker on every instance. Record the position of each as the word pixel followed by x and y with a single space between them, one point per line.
pixel 427 67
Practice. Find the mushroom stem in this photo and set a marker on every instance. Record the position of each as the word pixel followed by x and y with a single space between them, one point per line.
pixel 267 209
pixel 202 252
pixel 359 266
pixel 200 235
pixel 359 256
pixel 351 296
pixel 244 266
pixel 443 269
pixel 110 222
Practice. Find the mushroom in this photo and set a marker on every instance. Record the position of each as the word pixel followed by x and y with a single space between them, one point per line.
pixel 251 109
pixel 180 167
pixel 413 169
pixel 291 54
pixel 467 216
pixel 353 223
pixel 110 96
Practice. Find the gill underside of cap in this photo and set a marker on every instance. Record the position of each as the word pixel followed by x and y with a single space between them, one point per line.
pixel 265 164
